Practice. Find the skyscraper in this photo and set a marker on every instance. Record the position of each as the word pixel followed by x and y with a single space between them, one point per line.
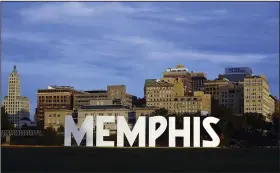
pixel 257 96
pixel 16 106
pixel 180 72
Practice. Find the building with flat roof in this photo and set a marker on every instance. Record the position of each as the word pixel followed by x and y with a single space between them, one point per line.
pixel 237 74
pixel 257 97
pixel 160 93
pixel 116 93
pixel 84 97
pixel 232 96
pixel 198 79
pixel 54 97
pixel 199 102
pixel 180 72
pixel 169 94
pixel 213 86
pixel 55 118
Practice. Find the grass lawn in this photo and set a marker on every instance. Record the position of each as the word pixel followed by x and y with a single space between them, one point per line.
pixel 71 159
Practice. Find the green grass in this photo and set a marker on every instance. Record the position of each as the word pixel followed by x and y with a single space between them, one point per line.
pixel 70 159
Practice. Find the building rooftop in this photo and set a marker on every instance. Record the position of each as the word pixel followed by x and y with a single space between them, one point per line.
pixel 198 74
pixel 155 81
pixel 96 91
pixel 256 76
pixel 104 107
pixel 60 87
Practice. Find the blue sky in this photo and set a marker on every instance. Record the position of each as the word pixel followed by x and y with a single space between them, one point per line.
pixel 92 45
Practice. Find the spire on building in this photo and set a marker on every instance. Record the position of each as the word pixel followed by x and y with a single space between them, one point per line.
pixel 15 69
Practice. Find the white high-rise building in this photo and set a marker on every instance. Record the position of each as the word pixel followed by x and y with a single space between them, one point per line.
pixel 16 106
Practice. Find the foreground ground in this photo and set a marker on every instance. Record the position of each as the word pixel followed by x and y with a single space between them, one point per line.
pixel 71 159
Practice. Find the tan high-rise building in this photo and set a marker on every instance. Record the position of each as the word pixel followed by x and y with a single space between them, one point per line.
pixel 198 79
pixel 161 93
pixel 169 94
pixel 199 102
pixel 213 86
pixel 16 106
pixel 232 96
pixel 55 97
pixel 180 72
pixel 118 93
pixel 257 96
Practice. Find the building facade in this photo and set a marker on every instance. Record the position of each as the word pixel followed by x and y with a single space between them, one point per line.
pixel 161 93
pixel 232 96
pixel 169 94
pixel 83 98
pixel 257 96
pixel 119 94
pixel 213 86
pixel 198 79
pixel 237 74
pixel 55 97
pixel 55 118
pixel 180 72
pixel 144 111
pixel 199 102
pixel 16 106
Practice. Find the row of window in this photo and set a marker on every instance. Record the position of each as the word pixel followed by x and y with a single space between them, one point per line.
pixel 248 109
pixel 161 91
pixel 157 88
pixel 253 97
pixel 54 115
pixel 49 101
pixel 90 97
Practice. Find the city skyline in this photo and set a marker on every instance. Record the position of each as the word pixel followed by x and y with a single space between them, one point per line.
pixel 78 44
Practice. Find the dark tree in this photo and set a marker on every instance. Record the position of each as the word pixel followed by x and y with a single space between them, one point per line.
pixel 5 124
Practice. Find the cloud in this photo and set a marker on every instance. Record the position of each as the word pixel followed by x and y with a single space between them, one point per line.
pixel 76 11
pixel 91 45
pixel 92 13
pixel 114 47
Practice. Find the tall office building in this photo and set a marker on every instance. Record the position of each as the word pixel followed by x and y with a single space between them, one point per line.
pixel 55 98
pixel 213 86
pixel 169 94
pixel 232 96
pixel 198 79
pixel 257 97
pixel 180 72
pixel 119 94
pixel 16 106
pixel 237 74
pixel 161 93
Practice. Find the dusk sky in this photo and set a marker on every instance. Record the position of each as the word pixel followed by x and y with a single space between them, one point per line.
pixel 92 45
